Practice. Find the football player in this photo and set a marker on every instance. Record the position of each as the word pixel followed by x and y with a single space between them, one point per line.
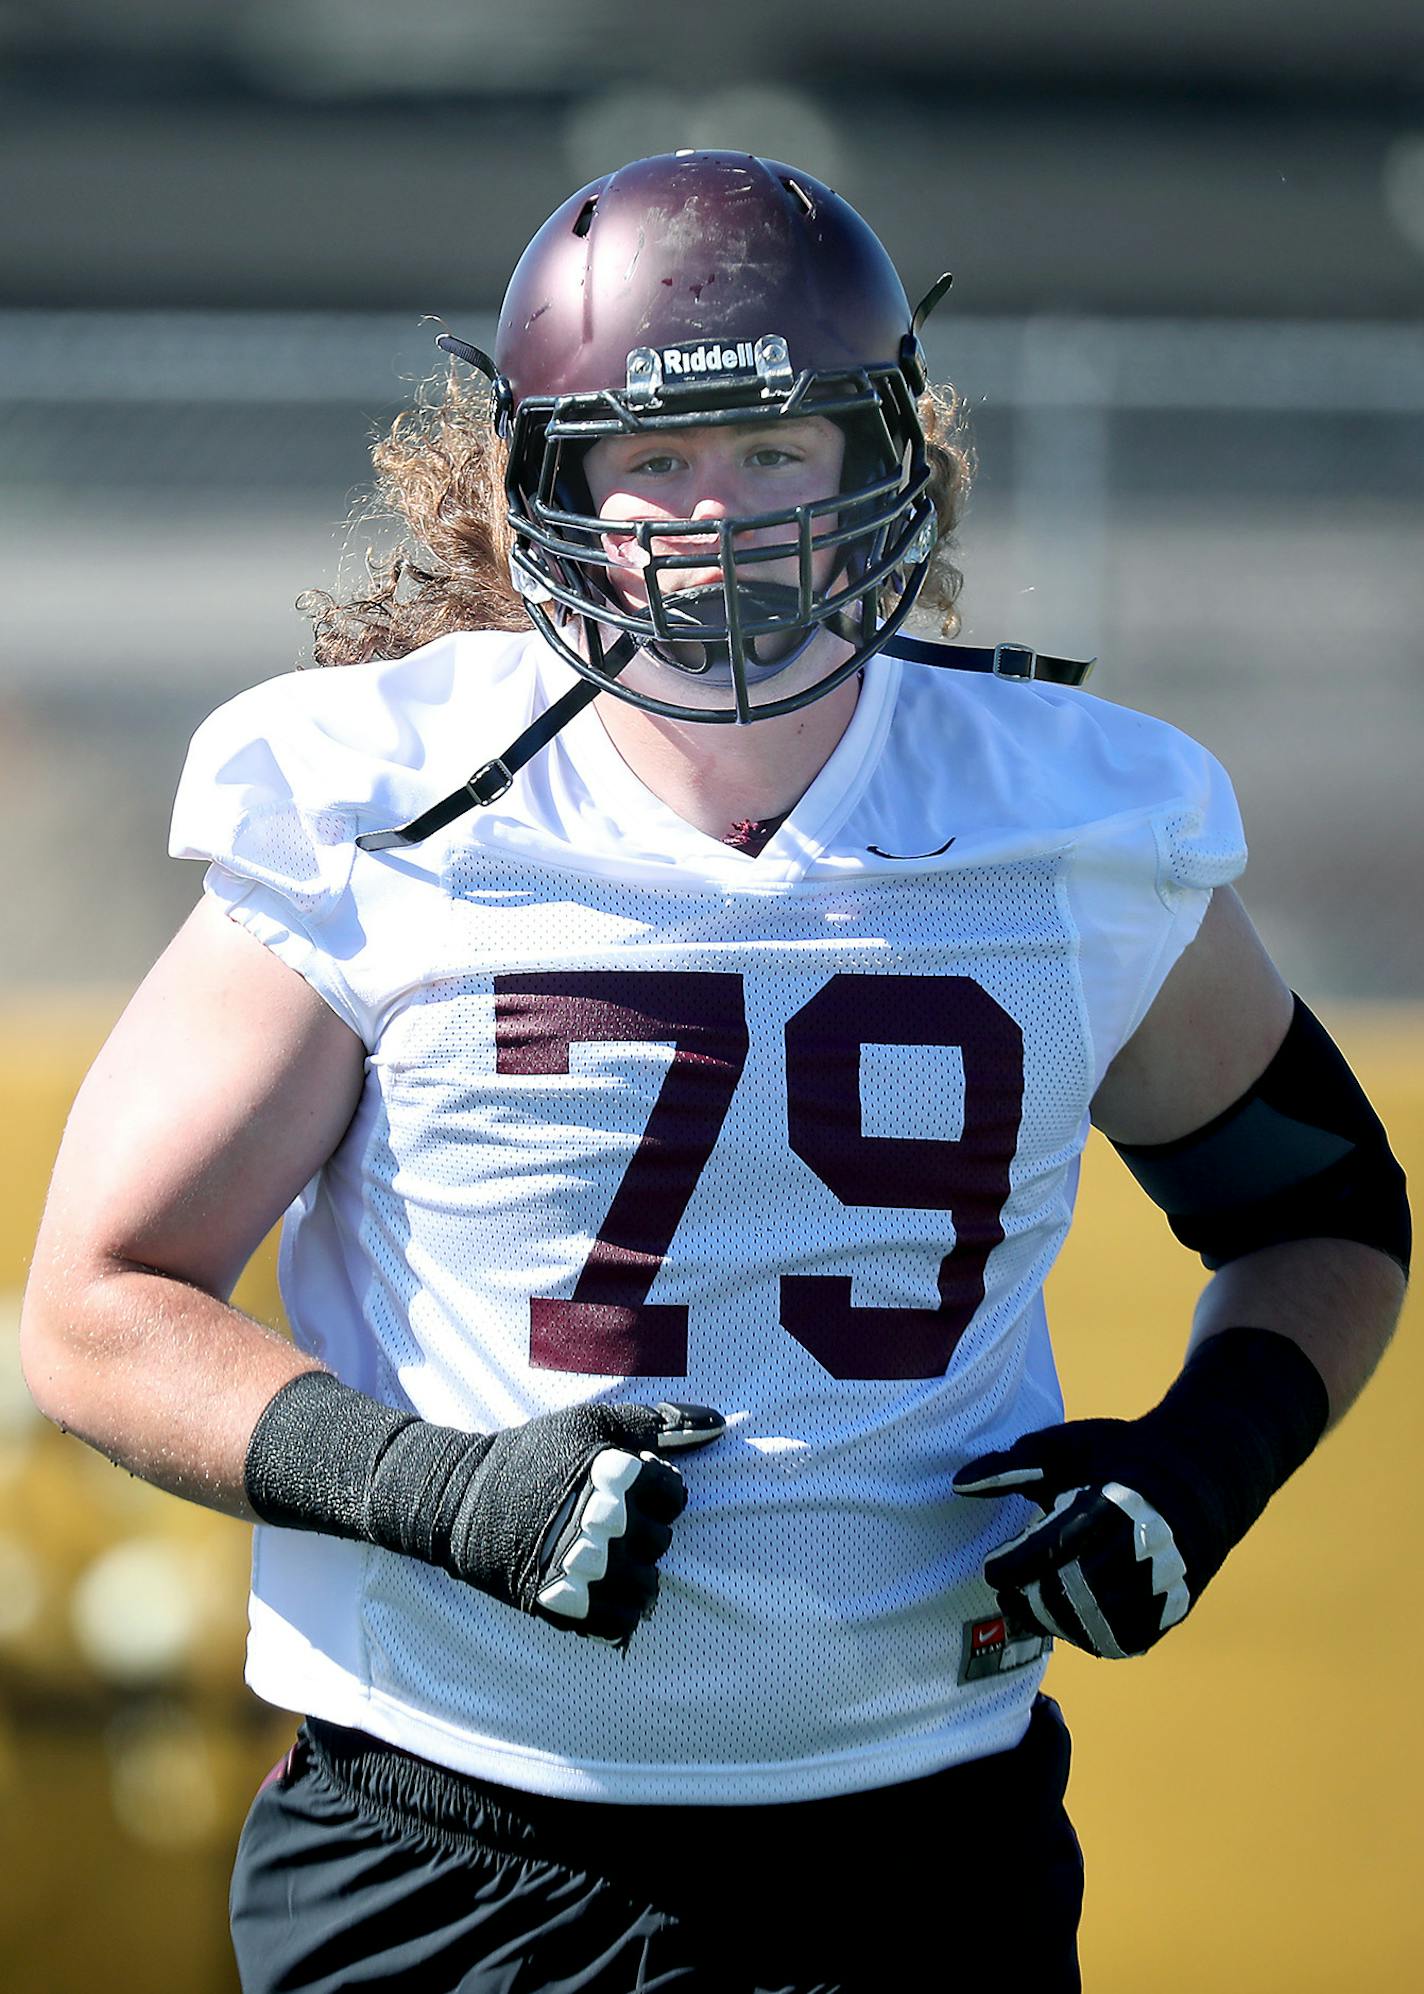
pixel 665 1510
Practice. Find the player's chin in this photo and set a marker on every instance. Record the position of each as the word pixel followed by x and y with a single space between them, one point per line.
pixel 710 686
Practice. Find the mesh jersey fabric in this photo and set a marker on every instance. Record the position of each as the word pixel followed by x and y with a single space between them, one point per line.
pixel 795 1135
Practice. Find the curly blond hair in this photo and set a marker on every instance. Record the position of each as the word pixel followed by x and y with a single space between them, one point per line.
pixel 440 481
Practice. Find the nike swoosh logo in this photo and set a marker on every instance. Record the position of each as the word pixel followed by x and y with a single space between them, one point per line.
pixel 911 855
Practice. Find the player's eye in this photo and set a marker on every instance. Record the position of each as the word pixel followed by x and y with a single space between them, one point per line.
pixel 657 464
pixel 769 458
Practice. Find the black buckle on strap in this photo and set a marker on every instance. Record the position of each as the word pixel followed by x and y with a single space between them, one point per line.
pixel 489 783
pixel 1005 661
pixel 1014 661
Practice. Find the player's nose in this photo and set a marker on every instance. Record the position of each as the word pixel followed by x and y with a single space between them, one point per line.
pixel 714 506
pixel 711 509
pixel 725 502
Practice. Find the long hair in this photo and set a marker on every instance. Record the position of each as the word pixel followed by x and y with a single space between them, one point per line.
pixel 440 482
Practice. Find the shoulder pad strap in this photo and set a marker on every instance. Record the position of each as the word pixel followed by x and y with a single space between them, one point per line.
pixel 1005 661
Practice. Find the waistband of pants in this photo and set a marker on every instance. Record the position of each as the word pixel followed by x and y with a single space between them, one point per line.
pixel 456 1804
pixel 421 1794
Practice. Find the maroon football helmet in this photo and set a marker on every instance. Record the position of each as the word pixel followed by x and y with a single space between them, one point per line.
pixel 697 289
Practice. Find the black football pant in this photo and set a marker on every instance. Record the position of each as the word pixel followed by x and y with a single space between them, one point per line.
pixel 363 1867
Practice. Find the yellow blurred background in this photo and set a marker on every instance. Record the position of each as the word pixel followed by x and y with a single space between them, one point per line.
pixel 1247 1796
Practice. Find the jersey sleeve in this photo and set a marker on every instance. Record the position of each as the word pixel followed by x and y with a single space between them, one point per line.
pixel 1200 845
pixel 1142 878
pixel 255 802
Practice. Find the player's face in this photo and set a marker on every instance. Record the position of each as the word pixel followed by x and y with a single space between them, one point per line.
pixel 722 473
pixel 713 474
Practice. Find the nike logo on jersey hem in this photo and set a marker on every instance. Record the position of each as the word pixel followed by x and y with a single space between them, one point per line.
pixel 911 855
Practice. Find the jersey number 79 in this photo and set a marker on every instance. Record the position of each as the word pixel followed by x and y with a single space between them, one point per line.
pixel 608 1326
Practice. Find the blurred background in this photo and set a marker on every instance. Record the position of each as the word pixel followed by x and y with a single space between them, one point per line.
pixel 1189 253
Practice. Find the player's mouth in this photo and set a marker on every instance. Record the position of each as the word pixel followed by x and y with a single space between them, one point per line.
pixel 705 653
pixel 633 561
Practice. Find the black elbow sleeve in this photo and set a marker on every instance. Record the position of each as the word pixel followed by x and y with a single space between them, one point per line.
pixel 1302 1155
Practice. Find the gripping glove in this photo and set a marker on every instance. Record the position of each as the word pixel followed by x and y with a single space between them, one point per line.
pixel 1140 1513
pixel 565 1517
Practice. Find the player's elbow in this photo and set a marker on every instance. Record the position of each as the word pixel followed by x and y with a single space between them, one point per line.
pixel 46 1353
pixel 66 1338
pixel 43 1362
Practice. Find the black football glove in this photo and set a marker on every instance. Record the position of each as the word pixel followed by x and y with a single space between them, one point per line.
pixel 1103 1569
pixel 564 1517
pixel 1140 1513
pixel 567 1516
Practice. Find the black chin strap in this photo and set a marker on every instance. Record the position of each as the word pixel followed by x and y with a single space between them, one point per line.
pixel 489 782
pixel 1005 661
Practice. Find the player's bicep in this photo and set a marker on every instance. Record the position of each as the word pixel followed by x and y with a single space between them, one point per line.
pixel 1212 1030
pixel 225 1085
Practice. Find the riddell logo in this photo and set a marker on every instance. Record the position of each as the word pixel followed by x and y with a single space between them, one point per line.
pixel 713 358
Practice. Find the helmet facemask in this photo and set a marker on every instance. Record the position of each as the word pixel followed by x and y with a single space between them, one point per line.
pixel 746 629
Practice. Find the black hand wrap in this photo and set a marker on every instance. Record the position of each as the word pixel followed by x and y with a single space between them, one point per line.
pixel 565 1517
pixel 1142 1512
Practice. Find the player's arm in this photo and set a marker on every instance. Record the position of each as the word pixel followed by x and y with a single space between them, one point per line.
pixel 1241 1118
pixel 1291 1195
pixel 226 1086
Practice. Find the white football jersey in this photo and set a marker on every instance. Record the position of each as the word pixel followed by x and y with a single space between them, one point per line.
pixel 795 1135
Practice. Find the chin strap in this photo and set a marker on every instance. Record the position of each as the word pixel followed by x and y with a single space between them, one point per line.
pixel 936 291
pixel 492 779
pixel 1005 661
